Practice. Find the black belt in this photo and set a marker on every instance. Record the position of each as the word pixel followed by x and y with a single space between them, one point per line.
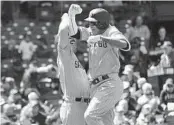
pixel 80 99
pixel 87 100
pixel 99 79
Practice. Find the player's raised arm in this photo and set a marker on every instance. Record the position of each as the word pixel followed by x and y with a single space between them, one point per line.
pixel 72 12
pixel 74 30
pixel 62 35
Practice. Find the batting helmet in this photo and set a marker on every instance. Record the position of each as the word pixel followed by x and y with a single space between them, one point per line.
pixel 100 16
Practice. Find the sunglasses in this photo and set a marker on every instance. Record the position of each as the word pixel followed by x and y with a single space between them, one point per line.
pixel 170 86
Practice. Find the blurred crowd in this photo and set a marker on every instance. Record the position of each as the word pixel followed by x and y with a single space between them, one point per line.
pixel 28 73
pixel 140 106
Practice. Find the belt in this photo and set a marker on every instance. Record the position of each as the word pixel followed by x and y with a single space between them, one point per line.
pixel 78 99
pixel 99 79
pixel 87 100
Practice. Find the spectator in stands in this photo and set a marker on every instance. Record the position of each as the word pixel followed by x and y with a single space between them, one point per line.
pixel 162 37
pixel 8 116
pixel 128 75
pixel 138 56
pixel 146 117
pixel 148 97
pixel 120 110
pixel 132 103
pixel 140 83
pixel 33 74
pixel 16 99
pixel 31 114
pixel 27 48
pixel 167 94
pixel 54 117
pixel 167 58
pixel 8 84
pixel 139 30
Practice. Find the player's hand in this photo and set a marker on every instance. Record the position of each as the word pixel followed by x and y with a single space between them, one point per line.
pixel 74 10
pixel 94 39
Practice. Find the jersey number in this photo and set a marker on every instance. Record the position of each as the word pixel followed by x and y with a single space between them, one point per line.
pixel 100 44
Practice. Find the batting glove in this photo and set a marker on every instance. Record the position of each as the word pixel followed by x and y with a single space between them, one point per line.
pixel 74 10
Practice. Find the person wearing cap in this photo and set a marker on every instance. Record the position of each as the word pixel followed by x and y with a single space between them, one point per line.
pixel 128 75
pixel 132 103
pixel 73 78
pixel 146 117
pixel 123 114
pixel 140 83
pixel 33 74
pixel 104 43
pixel 9 84
pixel 9 115
pixel 16 99
pixel 33 112
pixel 167 58
pixel 148 97
pixel 120 110
pixel 167 94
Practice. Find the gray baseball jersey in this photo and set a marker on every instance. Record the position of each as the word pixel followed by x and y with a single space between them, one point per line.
pixel 103 58
pixel 73 77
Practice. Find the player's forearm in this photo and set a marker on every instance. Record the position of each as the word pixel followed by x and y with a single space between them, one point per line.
pixel 119 43
pixel 73 28
pixel 72 12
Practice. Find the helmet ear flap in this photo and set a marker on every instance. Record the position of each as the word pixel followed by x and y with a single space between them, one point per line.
pixel 102 25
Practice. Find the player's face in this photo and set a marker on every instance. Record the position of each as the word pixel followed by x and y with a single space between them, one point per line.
pixel 162 32
pixel 170 88
pixel 73 43
pixel 139 21
pixel 94 29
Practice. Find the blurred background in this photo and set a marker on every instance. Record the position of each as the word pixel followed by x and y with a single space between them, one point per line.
pixel 28 30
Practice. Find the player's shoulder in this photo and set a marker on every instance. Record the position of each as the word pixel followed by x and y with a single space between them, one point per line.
pixel 112 29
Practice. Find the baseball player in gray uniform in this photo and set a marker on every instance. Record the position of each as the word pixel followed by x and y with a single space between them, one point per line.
pixel 73 78
pixel 104 43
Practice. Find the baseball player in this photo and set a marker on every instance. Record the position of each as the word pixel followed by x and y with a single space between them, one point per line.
pixel 104 43
pixel 73 78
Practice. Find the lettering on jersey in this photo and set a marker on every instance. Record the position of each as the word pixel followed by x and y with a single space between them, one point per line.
pixel 78 64
pixel 99 44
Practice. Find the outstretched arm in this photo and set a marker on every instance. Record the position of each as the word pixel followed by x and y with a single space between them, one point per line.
pixel 113 41
pixel 72 12
pixel 62 36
